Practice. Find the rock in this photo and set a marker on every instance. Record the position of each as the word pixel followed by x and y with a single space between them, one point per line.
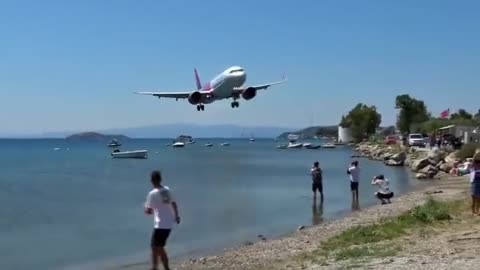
pixel 387 156
pixel 392 162
pixel 429 170
pixel 400 157
pixel 421 176
pixel 446 167
pixel 419 164
pixel 441 175
pixel 451 158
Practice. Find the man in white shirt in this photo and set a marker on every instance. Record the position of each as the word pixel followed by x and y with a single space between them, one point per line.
pixel 354 172
pixel 161 203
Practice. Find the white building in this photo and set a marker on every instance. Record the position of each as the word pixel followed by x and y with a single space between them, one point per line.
pixel 466 133
pixel 344 135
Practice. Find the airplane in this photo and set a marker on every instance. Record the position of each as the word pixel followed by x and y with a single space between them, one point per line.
pixel 228 84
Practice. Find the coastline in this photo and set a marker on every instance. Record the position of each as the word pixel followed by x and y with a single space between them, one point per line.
pixel 280 253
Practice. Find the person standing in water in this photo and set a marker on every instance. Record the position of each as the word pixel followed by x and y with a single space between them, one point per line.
pixel 161 203
pixel 317 181
pixel 354 172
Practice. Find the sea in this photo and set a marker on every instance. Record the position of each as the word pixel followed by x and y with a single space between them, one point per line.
pixel 70 205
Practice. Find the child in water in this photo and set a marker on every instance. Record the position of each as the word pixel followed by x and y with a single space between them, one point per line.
pixel 383 194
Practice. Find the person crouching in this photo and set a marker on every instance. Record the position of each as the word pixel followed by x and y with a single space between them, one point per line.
pixel 383 194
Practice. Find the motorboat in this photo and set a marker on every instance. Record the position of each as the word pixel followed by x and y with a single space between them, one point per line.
pixel 307 145
pixel 252 140
pixel 282 146
pixel 129 154
pixel 294 145
pixel 293 137
pixel 178 144
pixel 328 145
pixel 114 143
pixel 208 145
pixel 312 146
pixel 191 142
pixel 225 144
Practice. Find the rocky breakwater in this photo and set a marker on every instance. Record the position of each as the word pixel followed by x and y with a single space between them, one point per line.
pixel 427 164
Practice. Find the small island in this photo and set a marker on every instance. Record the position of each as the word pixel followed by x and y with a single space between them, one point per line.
pixel 95 137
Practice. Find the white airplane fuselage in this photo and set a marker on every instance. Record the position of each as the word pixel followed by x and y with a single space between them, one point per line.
pixel 223 85
pixel 228 84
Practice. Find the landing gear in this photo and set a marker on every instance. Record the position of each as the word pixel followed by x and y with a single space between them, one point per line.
pixel 200 107
pixel 235 104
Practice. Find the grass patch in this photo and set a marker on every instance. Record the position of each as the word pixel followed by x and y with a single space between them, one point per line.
pixel 359 252
pixel 364 241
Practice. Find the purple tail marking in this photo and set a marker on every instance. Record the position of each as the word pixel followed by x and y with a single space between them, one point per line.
pixel 197 80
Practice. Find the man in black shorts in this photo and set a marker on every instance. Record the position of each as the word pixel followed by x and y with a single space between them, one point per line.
pixel 317 181
pixel 354 172
pixel 161 203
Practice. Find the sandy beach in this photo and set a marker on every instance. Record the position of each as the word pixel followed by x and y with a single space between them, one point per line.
pixel 284 253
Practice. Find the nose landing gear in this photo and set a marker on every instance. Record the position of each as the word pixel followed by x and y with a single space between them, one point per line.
pixel 235 104
pixel 200 107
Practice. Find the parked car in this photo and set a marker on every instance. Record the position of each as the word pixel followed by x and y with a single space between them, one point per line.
pixel 391 139
pixel 416 139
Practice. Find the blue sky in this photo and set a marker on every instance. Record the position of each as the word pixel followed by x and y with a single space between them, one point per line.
pixel 73 65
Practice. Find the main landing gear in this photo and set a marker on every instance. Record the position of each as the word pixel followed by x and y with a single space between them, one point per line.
pixel 235 104
pixel 200 107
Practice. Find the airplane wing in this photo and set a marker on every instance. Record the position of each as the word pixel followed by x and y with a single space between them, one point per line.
pixel 176 95
pixel 260 86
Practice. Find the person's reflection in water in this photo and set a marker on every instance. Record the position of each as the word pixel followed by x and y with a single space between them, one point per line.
pixel 355 205
pixel 317 213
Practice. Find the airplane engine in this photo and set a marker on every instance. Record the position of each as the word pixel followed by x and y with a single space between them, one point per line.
pixel 249 93
pixel 195 98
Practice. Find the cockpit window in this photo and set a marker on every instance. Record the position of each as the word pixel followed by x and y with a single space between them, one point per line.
pixel 236 70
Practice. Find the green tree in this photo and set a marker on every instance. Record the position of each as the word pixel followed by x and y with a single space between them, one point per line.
pixel 411 111
pixel 461 114
pixel 477 115
pixel 363 121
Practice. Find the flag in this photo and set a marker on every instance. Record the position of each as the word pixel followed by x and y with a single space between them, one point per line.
pixel 445 113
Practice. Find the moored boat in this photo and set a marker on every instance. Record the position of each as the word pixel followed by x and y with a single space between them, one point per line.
pixel 294 145
pixel 114 143
pixel 328 145
pixel 312 146
pixel 178 144
pixel 130 154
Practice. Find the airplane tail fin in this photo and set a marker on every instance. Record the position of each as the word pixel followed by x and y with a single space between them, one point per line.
pixel 197 80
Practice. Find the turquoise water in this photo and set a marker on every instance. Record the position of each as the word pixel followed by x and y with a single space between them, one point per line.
pixel 78 208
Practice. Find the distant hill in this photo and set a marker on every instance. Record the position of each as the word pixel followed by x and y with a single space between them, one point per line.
pixel 310 132
pixel 94 136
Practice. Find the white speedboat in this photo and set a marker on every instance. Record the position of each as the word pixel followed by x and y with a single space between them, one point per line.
pixel 130 154
pixel 225 144
pixel 312 146
pixel 208 145
pixel 178 144
pixel 114 143
pixel 306 145
pixel 294 145
pixel 282 146
pixel 328 145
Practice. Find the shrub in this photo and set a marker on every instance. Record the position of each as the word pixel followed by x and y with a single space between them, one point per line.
pixel 468 150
